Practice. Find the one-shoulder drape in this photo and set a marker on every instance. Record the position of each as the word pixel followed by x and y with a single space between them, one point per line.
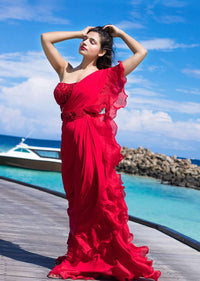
pixel 99 241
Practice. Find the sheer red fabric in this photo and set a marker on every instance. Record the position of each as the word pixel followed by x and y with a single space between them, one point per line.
pixel 99 241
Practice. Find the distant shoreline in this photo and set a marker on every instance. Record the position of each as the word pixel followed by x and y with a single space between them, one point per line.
pixel 169 170
pixel 173 170
pixel 56 143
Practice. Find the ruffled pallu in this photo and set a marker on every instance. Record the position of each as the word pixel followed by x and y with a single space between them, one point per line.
pixel 99 241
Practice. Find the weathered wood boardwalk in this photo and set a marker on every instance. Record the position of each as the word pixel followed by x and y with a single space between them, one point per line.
pixel 34 230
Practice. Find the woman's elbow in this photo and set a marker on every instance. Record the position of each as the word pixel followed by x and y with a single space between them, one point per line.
pixel 143 53
pixel 43 37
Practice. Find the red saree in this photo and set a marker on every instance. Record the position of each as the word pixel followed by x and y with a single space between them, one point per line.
pixel 99 241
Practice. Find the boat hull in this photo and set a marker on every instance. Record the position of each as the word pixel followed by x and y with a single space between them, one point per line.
pixel 31 163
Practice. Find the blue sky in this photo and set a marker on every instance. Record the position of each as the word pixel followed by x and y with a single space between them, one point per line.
pixel 163 105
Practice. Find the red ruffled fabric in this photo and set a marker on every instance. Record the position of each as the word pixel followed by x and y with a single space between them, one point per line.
pixel 99 241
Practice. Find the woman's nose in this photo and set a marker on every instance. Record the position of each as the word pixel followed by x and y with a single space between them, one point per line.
pixel 85 40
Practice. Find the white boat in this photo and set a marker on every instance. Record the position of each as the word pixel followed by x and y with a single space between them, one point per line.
pixel 32 157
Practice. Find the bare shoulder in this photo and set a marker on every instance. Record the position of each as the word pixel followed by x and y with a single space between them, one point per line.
pixel 68 68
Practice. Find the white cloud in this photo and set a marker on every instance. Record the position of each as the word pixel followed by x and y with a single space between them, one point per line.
pixel 138 79
pixel 174 3
pixel 152 68
pixel 162 11
pixel 192 72
pixel 162 104
pixel 160 44
pixel 9 116
pixel 143 92
pixel 129 25
pixel 29 104
pixel 193 91
pixel 24 10
pixel 136 2
pixel 33 94
pixel 24 65
pixel 165 44
pixel 168 19
pixel 121 46
pixel 158 123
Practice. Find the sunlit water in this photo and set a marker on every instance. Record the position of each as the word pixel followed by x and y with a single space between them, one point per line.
pixel 146 198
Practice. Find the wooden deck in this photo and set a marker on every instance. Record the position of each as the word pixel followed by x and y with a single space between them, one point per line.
pixel 34 230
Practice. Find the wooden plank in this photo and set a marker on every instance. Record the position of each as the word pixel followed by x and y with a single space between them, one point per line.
pixel 34 230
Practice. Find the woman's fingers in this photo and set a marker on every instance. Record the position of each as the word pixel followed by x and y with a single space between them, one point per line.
pixel 86 29
pixel 115 31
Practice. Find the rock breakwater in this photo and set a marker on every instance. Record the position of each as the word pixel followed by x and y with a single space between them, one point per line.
pixel 169 169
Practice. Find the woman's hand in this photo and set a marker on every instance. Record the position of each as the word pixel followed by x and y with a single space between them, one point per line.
pixel 138 50
pixel 85 30
pixel 115 31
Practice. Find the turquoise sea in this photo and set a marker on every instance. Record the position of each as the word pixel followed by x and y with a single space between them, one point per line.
pixel 146 198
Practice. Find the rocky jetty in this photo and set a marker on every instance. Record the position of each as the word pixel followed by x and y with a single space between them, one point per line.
pixel 170 170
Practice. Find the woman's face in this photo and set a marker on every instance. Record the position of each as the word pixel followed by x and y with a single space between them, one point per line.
pixel 91 45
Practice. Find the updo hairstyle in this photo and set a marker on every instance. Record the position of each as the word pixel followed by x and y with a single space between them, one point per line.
pixel 106 60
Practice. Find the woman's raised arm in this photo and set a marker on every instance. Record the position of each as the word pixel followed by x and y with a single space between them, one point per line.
pixel 48 39
pixel 139 51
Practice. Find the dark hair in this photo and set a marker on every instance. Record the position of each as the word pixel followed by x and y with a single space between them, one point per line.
pixel 106 44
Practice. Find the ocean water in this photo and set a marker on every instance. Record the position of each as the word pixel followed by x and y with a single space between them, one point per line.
pixel 146 198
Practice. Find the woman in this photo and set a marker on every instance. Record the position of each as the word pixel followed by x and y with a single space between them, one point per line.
pixel 89 95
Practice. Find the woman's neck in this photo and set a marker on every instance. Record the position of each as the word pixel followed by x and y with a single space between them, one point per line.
pixel 88 64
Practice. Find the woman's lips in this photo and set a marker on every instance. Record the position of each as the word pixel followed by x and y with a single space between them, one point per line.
pixel 82 48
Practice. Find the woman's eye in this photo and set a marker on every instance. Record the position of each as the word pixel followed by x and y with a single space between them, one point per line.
pixel 92 42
